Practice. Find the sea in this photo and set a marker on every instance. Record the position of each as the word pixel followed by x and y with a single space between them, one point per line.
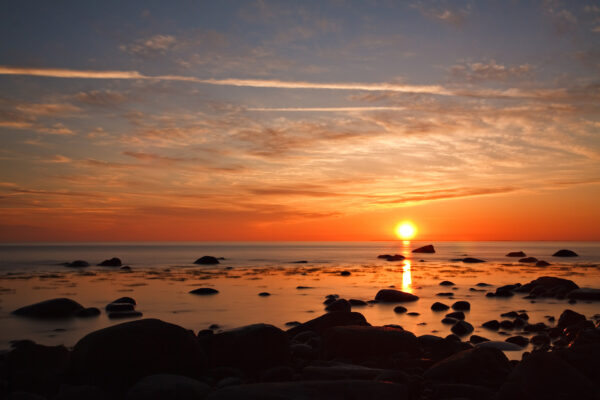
pixel 297 275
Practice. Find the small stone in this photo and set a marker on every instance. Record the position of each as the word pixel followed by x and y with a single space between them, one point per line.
pixel 437 306
pixel 462 328
pixel 264 294
pixel 446 283
pixel 456 315
pixel 204 291
pixel 518 340
pixel 461 306
pixel 492 325
pixel 400 309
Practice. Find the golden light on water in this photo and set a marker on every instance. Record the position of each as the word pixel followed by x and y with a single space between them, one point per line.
pixel 406 230
pixel 406 277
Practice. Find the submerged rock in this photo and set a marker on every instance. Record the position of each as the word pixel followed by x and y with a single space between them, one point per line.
pixel 394 296
pixel 124 314
pixel 207 260
pixel 565 253
pixel 425 249
pixel 462 328
pixel 461 306
pixel 516 254
pixel 542 263
pixel 53 308
pixel 391 257
pixel 339 305
pixel 437 306
pixel 518 340
pixel 471 260
pixel 528 260
pixel 113 262
pixel 204 291
pixel 88 312
pixel 446 283
pixel 400 309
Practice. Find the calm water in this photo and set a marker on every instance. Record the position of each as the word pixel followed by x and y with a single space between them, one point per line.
pixel 163 274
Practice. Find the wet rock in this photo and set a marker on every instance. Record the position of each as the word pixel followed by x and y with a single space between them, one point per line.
pixel 492 325
pixel 445 294
pixel 359 343
pixel 446 283
pixel 565 253
pixel 548 286
pixel 471 260
pixel 204 291
pixel 518 340
pixel 357 303
pixel 125 299
pixel 568 318
pixel 538 327
pixel 584 294
pixel 544 375
pixel 391 257
pixel 77 264
pixel 125 314
pixel 503 346
pixel 510 314
pixel 250 348
pixel 118 356
pixel 516 254
pixel 320 324
pixel 449 321
pixel 113 262
pixel 345 273
pixel 339 305
pixel 35 368
pixel 394 296
pixel 528 260
pixel 425 249
pixel 507 290
pixel 413 314
pixel 166 386
pixel 540 340
pixel 456 315
pixel 119 307
pixel 50 309
pixel 400 309
pixel 207 260
pixel 125 268
pixel 542 263
pixel 437 306
pixel 507 324
pixel 88 312
pixel 264 294
pixel 304 287
pixel 483 284
pixel 475 339
pixel 478 366
pixel 461 306
pixel 462 328
pixel 314 390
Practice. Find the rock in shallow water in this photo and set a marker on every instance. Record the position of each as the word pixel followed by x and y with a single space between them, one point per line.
pixel 516 254
pixel 113 262
pixel 425 249
pixel 207 260
pixel 462 328
pixel 584 294
pixel 565 253
pixel 325 321
pixel 394 296
pixel 204 291
pixel 437 306
pixel 53 308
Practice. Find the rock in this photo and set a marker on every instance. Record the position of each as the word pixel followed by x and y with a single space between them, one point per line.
pixel 449 321
pixel 49 309
pixel 88 312
pixel 542 263
pixel 544 375
pixel 456 315
pixel 119 307
pixel 539 327
pixel 445 294
pixel 300 262
pixel 462 328
pixel 400 309
pixel 481 366
pixel 77 264
pixel 413 314
pixel 461 306
pixel 394 296
pixel 304 287
pixel 166 386
pixel 471 260
pixel 584 294
pixel 118 356
pixel 339 305
pixel 124 314
pixel 425 249
pixel 510 314
pixel 357 303
pixel 516 254
pixel 337 370
pixel 507 324
pixel 113 262
pixel 313 390
pixel 475 339
pixel 446 283
pixel 251 348
pixel 125 268
pixel 359 343
pixel 345 273
pixel 320 324
pixel 264 294
pixel 507 290
pixel 548 286
pixel 568 318
pixel 483 284
pixel 504 346
pixel 128 300
pixel 207 260
pixel 528 260
pixel 437 306
pixel 35 368
pixel 540 340
pixel 565 253
pixel 204 291
pixel 518 340
pixel 493 325
pixel 390 257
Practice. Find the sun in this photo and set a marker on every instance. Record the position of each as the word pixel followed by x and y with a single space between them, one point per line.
pixel 406 230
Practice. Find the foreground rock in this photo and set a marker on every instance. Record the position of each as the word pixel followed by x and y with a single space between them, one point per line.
pixel 425 249
pixel 118 356
pixel 360 343
pixel 165 386
pixel 113 262
pixel 207 260
pixel 326 321
pixel 394 296
pixel 53 308
pixel 584 294
pixel 565 253
pixel 313 390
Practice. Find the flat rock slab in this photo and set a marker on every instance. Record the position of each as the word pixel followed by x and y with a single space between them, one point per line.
pixel 584 294
pixel 394 296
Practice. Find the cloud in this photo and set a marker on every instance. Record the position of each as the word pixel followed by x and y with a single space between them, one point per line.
pixel 47 109
pixel 446 12
pixel 157 44
pixel 326 109
pixel 103 98
pixel 563 21
pixel 490 71
pixel 443 194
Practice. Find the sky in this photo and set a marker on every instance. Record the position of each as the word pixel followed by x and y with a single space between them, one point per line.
pixel 313 120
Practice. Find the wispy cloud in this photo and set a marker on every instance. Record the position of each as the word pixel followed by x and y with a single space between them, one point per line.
pixel 326 109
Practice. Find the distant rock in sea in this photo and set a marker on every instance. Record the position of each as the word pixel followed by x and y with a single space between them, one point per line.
pixel 113 262
pixel 528 260
pixel 391 257
pixel 207 260
pixel 77 264
pixel 204 291
pixel 49 309
pixel 394 296
pixel 565 253
pixel 542 263
pixel 516 254
pixel 425 249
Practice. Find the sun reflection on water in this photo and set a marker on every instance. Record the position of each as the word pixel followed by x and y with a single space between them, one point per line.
pixel 406 277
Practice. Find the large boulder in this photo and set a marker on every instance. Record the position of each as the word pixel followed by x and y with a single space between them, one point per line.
pixel 544 375
pixel 165 386
pixel 568 318
pixel 425 249
pixel 53 308
pixel 313 390
pixel 77 264
pixel 394 296
pixel 516 254
pixel 584 294
pixel 548 286
pixel 113 262
pixel 359 343
pixel 35 368
pixel 250 348
pixel 477 366
pixel 118 356
pixel 329 320
pixel 565 253
pixel 207 260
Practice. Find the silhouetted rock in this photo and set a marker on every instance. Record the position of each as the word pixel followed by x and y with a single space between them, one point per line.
pixel 35 368
pixel 516 254
pixel 124 314
pixel 504 346
pixel 357 302
pixel 506 290
pixel 313 390
pixel 471 260
pixel 475 339
pixel 345 273
pixel 507 324
pixel 119 307
pixel 394 296
pixel 478 366
pixel 400 309
pixel 528 260
pixel 425 249
pixel 129 300
pixel 53 308
pixel 542 263
pixel 113 262
pixel 446 283
pixel 565 253
pixel 568 318
pixel 391 257
pixel 359 343
pixel 584 294
pixel 207 260
pixel 518 340
pixel 449 321
pixel 456 315
pixel 204 291
pixel 339 305
pixel 264 294
pixel 482 284
pixel 492 325
pixel 77 264
pixel 461 306
pixel 548 286
pixel 166 386
pixel 88 312
pixel 437 306
pixel 445 294
pixel 325 321
pixel 118 356
pixel 462 328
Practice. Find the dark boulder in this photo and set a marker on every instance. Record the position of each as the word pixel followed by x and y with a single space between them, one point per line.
pixel 518 340
pixel 204 291
pixel 548 286
pixel 77 264
pixel 461 306
pixel 118 356
pixel 53 308
pixel 584 294
pixel 250 348
pixel 391 257
pixel 516 254
pixel 207 260
pixel 542 263
pixel 462 328
pixel 166 386
pixel 394 296
pixel 425 249
pixel 339 305
pixel 446 283
pixel 128 300
pixel 88 312
pixel 478 366
pixel 449 321
pixel 359 343
pixel 493 325
pixel 507 290
pixel 528 260
pixel 264 294
pixel 357 302
pixel 329 320
pixel 565 253
pixel 124 314
pixel 345 273
pixel 456 315
pixel 437 306
pixel 471 260
pixel 503 346
pixel 475 339
pixel 113 262
pixel 400 309
pixel 119 307
pixel 568 318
